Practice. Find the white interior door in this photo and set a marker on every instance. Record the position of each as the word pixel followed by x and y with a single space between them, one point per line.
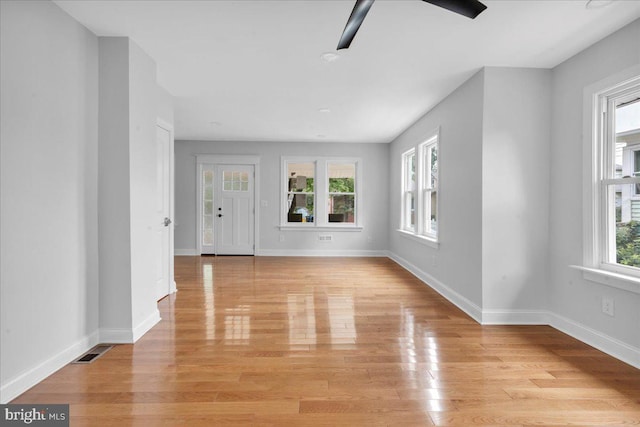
pixel 163 212
pixel 234 210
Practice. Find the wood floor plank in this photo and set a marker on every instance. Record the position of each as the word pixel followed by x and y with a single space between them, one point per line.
pixel 268 341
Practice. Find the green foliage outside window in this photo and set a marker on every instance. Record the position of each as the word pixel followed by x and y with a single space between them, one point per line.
pixel 628 244
pixel 341 185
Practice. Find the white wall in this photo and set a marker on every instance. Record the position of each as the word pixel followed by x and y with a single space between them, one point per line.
pixel 575 301
pixel 455 268
pixel 515 192
pixel 49 137
pixel 373 239
pixel 143 115
pixel 164 102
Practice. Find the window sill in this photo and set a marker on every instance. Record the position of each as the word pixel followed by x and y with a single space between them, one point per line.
pixel 420 239
pixel 311 227
pixel 610 278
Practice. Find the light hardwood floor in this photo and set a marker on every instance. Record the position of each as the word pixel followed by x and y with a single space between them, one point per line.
pixel 328 342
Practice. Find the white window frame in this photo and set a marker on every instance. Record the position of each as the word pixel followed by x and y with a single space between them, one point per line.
pixel 321 194
pixel 599 174
pixel 354 194
pixel 426 188
pixel 422 231
pixel 409 193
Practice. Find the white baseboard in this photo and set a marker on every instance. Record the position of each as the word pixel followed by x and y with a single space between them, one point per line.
pixel 320 253
pixel 454 297
pixel 144 326
pixel 116 335
pixel 185 252
pixel 613 347
pixel 126 335
pixel 15 387
pixel 515 317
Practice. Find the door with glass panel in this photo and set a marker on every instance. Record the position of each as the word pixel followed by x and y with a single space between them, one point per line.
pixel 227 216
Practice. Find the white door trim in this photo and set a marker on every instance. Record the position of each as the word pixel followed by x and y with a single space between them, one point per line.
pixel 172 211
pixel 227 159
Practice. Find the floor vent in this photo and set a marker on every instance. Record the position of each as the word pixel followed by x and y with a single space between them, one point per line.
pixel 93 354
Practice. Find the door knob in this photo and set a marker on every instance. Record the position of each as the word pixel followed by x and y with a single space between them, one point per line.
pixel 166 222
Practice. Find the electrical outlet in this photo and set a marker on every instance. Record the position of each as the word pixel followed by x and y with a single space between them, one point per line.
pixel 607 306
pixel 325 237
pixel 282 237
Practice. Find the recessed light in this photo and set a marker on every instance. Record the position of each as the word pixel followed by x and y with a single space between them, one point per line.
pixel 215 123
pixel 321 135
pixel 324 110
pixel 598 4
pixel 329 56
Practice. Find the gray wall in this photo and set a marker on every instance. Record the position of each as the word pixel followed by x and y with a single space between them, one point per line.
pixel 49 183
pixel 575 300
pixel 457 263
pixel 129 106
pixel 516 139
pixel 515 190
pixel 373 239
pixel 78 119
pixel 113 203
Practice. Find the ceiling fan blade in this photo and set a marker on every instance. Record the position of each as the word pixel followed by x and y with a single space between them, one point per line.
pixel 468 8
pixel 358 13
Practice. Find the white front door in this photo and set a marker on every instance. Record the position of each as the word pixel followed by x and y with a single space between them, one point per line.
pixel 163 209
pixel 234 210
pixel 227 215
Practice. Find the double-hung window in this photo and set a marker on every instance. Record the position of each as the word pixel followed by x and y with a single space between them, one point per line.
pixel 419 207
pixel 613 236
pixel 321 192
pixel 341 180
pixel 300 191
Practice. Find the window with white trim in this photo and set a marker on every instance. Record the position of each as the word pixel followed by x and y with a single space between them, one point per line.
pixel 430 188
pixel 409 190
pixel 321 192
pixel 419 208
pixel 300 191
pixel 341 182
pixel 616 202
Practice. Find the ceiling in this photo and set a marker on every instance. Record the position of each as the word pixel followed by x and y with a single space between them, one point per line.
pixel 253 70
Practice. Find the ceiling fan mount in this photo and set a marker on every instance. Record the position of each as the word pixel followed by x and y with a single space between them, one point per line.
pixel 468 8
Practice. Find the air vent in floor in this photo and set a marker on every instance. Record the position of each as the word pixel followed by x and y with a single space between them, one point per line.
pixel 93 354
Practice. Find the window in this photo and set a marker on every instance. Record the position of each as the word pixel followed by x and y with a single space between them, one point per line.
pixel 321 192
pixel 300 192
pixel 430 188
pixel 419 209
pixel 615 193
pixel 409 190
pixel 342 192
pixel 207 207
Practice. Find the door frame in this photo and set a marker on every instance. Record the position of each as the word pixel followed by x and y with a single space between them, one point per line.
pixel 172 211
pixel 228 159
